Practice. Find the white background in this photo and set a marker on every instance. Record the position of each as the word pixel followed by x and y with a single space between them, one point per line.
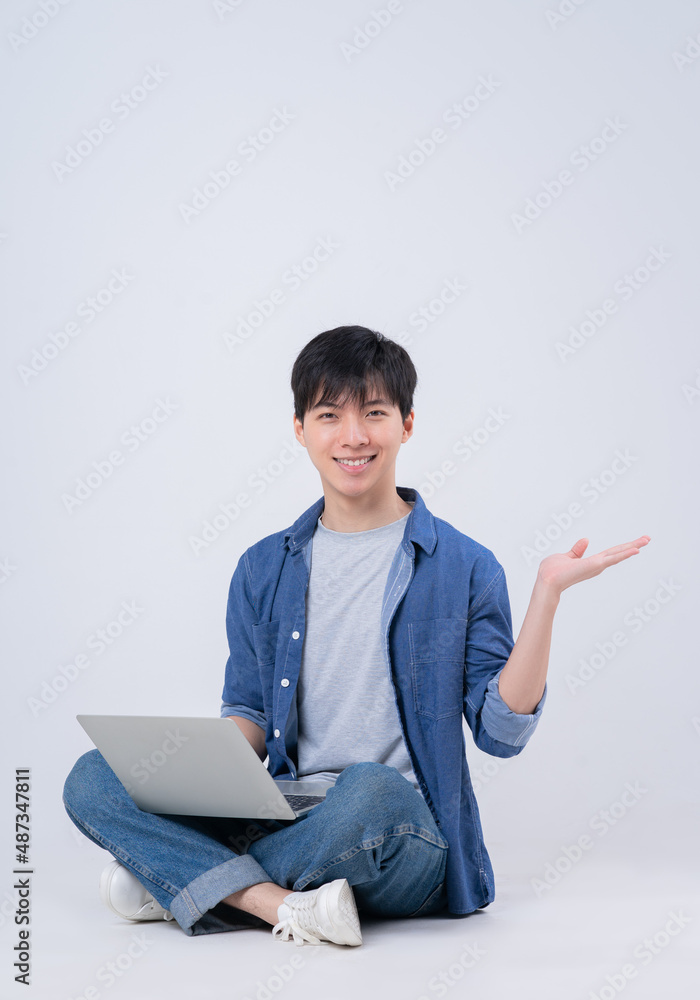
pixel 361 95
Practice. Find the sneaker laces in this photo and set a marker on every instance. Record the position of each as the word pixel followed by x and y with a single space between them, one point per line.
pixel 290 928
pixel 152 904
pixel 300 924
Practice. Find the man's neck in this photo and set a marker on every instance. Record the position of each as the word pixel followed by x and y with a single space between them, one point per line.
pixel 362 513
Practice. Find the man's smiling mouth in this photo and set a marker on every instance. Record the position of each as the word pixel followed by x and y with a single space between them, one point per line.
pixel 354 462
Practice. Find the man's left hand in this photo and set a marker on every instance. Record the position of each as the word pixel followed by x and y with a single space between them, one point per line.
pixel 562 570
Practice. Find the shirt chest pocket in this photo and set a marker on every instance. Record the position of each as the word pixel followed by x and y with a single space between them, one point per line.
pixel 265 637
pixel 437 666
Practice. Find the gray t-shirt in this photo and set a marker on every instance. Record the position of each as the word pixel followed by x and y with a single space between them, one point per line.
pixel 345 697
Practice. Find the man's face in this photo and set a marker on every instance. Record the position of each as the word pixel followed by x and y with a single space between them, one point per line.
pixel 336 435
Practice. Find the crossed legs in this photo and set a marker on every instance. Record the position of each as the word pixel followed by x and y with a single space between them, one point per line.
pixel 374 829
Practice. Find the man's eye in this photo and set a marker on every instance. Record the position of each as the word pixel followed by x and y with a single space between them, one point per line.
pixel 371 413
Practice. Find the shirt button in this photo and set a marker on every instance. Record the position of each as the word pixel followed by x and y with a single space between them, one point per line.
pixel 295 635
pixel 277 733
pixel 284 682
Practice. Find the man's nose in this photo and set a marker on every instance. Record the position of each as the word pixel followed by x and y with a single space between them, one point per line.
pixel 353 432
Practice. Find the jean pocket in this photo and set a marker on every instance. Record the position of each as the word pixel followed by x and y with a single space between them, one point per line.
pixel 438 651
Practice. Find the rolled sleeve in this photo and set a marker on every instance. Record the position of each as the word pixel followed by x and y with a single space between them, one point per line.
pixel 243 712
pixel 496 729
pixel 504 725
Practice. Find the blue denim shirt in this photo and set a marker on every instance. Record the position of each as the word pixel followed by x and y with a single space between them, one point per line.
pixel 447 624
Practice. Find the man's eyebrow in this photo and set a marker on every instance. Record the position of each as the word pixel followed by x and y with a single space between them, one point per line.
pixel 336 406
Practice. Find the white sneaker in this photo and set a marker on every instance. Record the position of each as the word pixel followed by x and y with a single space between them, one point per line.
pixel 124 895
pixel 328 913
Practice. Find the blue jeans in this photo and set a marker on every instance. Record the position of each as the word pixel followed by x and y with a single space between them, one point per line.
pixel 374 829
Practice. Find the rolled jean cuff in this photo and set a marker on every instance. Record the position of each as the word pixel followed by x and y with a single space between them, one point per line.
pixel 211 887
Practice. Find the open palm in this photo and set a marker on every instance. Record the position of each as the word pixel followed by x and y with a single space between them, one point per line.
pixel 563 569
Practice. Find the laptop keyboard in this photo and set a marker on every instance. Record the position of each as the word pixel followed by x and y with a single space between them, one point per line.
pixel 298 801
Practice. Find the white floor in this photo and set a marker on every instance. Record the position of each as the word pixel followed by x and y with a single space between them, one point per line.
pixel 558 944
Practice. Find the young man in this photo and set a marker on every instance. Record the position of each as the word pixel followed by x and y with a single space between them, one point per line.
pixel 358 638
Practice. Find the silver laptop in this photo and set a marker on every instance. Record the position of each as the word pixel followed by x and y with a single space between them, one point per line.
pixel 196 767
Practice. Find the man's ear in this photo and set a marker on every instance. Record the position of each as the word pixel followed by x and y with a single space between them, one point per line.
pixel 407 427
pixel 298 429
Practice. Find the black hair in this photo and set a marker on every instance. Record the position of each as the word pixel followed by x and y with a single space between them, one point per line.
pixel 349 363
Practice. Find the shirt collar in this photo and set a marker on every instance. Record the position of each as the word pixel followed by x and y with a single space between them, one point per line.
pixel 420 527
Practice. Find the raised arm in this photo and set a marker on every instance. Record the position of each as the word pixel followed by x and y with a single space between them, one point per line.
pixel 522 679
